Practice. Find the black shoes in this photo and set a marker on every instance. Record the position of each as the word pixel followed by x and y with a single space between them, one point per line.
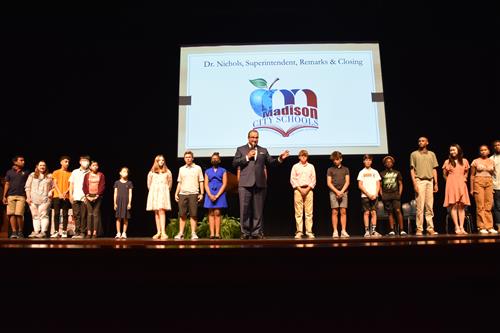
pixel 259 236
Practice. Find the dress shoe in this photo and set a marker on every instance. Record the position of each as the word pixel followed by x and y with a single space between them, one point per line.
pixel 244 236
pixel 432 232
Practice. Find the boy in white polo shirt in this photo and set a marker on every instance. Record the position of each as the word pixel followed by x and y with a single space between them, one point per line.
pixel 188 194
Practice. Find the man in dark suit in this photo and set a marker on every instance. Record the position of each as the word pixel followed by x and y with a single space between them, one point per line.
pixel 252 160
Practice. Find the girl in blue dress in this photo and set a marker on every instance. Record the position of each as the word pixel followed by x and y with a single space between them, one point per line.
pixel 215 198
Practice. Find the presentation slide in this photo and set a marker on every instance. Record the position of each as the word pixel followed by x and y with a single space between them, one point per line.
pixel 319 97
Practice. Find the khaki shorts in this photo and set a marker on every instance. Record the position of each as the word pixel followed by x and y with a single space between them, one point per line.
pixel 15 205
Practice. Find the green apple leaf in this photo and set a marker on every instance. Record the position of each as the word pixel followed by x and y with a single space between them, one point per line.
pixel 259 83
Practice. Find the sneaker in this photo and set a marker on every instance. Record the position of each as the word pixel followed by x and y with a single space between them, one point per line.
pixel 20 235
pixel 335 234
pixel 77 236
pixel 310 235
pixel 344 234
pixel 419 233
pixel 163 236
pixel 375 234
pixel 55 234
pixel 483 231
pixel 298 235
pixel 13 235
pixel 33 235
pixel 392 233
pixel 41 235
pixel 431 232
pixel 64 234
pixel 402 233
pixel 367 233
pixel 118 235
pixel 124 235
pixel 179 236
pixel 492 231
pixel 194 235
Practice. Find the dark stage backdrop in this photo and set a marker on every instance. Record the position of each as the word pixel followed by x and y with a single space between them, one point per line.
pixel 103 80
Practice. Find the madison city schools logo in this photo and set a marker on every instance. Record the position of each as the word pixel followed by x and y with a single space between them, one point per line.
pixel 293 110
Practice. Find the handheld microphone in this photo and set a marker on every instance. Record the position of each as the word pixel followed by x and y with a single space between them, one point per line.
pixel 254 147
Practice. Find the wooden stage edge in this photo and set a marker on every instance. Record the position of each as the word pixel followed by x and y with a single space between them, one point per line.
pixel 268 242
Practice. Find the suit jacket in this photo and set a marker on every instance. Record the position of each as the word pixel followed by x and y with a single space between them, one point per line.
pixel 252 172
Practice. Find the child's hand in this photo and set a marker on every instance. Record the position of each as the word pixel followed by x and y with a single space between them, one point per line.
pixel 129 206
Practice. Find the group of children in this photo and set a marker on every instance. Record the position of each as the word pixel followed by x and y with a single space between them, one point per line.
pixel 82 190
pixel 388 184
pixel 192 185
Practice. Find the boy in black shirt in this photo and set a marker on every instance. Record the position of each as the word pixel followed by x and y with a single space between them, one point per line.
pixel 390 191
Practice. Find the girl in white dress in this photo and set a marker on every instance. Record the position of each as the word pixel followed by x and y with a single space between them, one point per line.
pixel 159 185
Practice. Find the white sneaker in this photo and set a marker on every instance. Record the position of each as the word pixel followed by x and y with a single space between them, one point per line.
pixel 335 234
pixel 402 233
pixel 54 235
pixel 64 234
pixel 310 235
pixel 392 233
pixel 33 235
pixel 298 235
pixel 194 235
pixel 117 235
pixel 344 234
pixel 483 231
pixel 124 235
pixel 367 233
pixel 492 231
pixel 375 234
pixel 179 236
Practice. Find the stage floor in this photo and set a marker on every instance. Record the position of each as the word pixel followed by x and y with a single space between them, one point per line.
pixel 268 242
pixel 310 285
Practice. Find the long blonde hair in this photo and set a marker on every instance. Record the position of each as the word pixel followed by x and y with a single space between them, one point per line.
pixel 38 172
pixel 156 167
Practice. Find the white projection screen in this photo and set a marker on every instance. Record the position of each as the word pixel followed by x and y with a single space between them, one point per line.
pixel 319 97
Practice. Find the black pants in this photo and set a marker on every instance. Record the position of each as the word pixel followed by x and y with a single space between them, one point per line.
pixel 80 217
pixel 94 215
pixel 496 206
pixel 58 204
